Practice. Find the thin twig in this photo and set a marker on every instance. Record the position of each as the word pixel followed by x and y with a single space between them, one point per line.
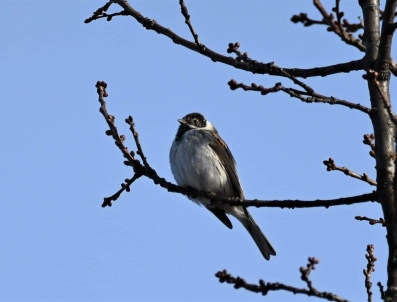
pixel 372 221
pixel 139 170
pixel 125 186
pixel 329 18
pixel 185 13
pixel 142 170
pixel 331 166
pixel 119 139
pixel 305 20
pixel 339 16
pixel 368 140
pixel 382 291
pixel 135 134
pixel 101 13
pixel 370 256
pixel 265 287
pixel 304 96
pixel 108 17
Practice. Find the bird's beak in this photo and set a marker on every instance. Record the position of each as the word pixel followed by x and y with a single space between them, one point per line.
pixel 182 121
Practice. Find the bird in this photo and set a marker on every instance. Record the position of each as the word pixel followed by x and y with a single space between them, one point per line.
pixel 200 159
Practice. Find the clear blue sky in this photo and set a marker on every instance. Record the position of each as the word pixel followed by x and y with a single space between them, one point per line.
pixel 57 243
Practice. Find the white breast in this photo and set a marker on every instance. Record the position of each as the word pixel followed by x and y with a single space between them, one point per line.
pixel 195 164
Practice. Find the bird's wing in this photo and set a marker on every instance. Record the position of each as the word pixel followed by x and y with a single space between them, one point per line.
pixel 221 215
pixel 227 160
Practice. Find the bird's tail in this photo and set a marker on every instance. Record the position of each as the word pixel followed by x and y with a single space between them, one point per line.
pixel 260 239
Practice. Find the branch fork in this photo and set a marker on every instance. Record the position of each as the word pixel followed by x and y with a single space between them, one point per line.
pixel 265 287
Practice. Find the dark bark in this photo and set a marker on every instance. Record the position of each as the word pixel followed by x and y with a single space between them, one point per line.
pixel 377 58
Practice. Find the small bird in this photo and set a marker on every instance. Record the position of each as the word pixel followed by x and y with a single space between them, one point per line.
pixel 200 159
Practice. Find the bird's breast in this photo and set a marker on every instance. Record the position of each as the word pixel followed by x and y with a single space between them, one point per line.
pixel 195 164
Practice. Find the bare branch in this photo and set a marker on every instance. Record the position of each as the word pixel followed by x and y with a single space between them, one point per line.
pixel 382 292
pixel 147 171
pixel 386 37
pixel 304 96
pixel 101 13
pixel 330 163
pixel 264 288
pixel 292 204
pixel 185 13
pixel 108 17
pixel 368 140
pixel 371 221
pixel 305 20
pixel 344 28
pixel 376 76
pixel 370 269
pixel 385 134
pixel 352 27
pixel 130 122
pixel 259 68
pixel 119 139
pixel 327 70
pixel 339 16
pixel 338 29
pixel 294 72
pixel 125 186
pixel 371 30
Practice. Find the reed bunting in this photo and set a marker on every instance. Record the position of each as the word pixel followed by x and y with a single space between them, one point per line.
pixel 200 159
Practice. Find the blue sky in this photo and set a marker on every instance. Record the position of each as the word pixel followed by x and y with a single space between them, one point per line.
pixel 57 164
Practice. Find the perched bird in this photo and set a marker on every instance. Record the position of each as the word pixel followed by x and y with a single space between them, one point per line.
pixel 200 159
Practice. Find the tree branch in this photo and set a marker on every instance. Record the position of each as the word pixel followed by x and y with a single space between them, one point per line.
pixel 185 13
pixel 304 96
pixel 339 27
pixel 125 186
pixel 130 122
pixel 145 170
pixel 382 292
pixel 368 140
pixel 306 21
pixel 386 38
pixel 108 17
pixel 330 163
pixel 292 204
pixel 376 77
pixel 370 256
pixel 344 28
pixel 264 288
pixel 385 133
pixel 100 12
pixel 259 68
pixel 336 28
pixel 371 221
pixel 273 69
